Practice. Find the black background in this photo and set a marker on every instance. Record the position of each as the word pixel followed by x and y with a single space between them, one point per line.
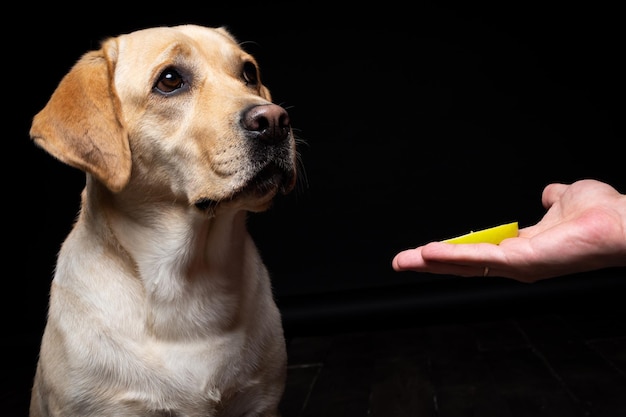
pixel 418 122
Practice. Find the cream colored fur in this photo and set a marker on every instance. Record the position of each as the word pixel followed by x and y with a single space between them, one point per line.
pixel 160 304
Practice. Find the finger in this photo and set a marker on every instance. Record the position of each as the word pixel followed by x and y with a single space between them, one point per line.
pixel 552 193
pixel 408 259
pixel 411 260
pixel 470 254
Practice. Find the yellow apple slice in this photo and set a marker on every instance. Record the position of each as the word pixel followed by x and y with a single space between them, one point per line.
pixel 493 235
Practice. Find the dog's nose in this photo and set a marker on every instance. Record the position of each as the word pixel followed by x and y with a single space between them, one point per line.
pixel 270 122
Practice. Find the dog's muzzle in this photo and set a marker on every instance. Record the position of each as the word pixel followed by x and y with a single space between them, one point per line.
pixel 271 150
pixel 268 129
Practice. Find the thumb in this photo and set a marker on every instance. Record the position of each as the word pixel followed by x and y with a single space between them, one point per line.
pixel 552 193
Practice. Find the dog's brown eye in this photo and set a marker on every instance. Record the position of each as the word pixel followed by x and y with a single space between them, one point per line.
pixel 169 80
pixel 250 75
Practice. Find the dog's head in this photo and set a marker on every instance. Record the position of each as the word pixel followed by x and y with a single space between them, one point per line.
pixel 177 112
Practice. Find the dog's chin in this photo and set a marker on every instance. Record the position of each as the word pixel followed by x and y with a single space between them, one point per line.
pixel 257 194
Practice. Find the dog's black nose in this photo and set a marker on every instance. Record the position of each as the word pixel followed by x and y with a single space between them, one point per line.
pixel 270 122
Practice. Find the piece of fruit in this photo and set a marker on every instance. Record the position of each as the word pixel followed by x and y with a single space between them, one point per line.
pixel 493 235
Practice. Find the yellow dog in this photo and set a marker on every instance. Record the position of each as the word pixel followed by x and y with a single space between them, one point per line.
pixel 161 304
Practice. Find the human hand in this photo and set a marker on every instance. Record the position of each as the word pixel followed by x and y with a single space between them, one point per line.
pixel 583 229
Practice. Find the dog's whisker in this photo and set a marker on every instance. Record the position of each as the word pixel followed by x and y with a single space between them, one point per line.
pixel 287 107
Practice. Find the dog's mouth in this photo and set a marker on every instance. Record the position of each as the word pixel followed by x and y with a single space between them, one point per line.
pixel 267 183
pixel 272 179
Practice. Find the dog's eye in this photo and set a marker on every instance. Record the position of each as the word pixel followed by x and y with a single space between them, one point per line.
pixel 250 74
pixel 169 80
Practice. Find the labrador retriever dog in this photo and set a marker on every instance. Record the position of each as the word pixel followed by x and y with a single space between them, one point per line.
pixel 160 303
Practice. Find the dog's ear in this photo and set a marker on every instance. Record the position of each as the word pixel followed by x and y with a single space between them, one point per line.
pixel 81 124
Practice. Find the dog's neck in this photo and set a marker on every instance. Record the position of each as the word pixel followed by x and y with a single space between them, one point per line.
pixel 186 260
